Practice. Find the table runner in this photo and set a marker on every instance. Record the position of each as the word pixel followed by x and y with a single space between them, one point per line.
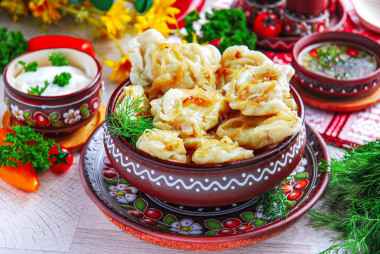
pixel 347 129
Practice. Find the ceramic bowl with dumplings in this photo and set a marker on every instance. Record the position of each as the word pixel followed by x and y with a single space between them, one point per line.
pixel 57 113
pixel 204 185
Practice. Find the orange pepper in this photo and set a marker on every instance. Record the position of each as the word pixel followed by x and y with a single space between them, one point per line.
pixel 24 177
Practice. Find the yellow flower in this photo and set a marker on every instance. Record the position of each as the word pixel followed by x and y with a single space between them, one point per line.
pixel 17 8
pixel 158 17
pixel 116 18
pixel 121 69
pixel 46 9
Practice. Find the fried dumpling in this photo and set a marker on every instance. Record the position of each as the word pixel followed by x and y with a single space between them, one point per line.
pixel 192 111
pixel 254 132
pixel 140 52
pixel 235 58
pixel 219 151
pixel 128 97
pixel 163 144
pixel 260 90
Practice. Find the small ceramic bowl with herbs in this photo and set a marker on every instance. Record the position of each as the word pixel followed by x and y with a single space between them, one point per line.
pixel 337 64
pixel 54 88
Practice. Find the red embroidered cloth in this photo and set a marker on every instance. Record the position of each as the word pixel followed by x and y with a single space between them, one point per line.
pixel 341 129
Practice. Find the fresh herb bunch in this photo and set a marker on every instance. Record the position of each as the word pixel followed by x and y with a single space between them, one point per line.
pixel 37 90
pixel 352 201
pixel 228 25
pixel 275 204
pixel 57 59
pixel 30 66
pixel 62 79
pixel 27 146
pixel 12 44
pixel 129 120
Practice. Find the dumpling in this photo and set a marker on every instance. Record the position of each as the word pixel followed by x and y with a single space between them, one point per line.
pixel 158 65
pixel 163 144
pixel 140 52
pixel 127 99
pixel 235 58
pixel 254 132
pixel 192 111
pixel 260 90
pixel 219 151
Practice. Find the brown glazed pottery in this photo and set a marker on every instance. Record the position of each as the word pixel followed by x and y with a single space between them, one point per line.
pixel 311 8
pixel 322 85
pixel 61 114
pixel 209 184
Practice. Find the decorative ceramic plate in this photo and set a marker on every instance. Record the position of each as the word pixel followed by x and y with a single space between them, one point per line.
pixel 283 43
pixel 198 228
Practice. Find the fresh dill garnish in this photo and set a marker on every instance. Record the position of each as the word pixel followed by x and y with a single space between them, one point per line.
pixel 352 201
pixel 129 119
pixel 27 146
pixel 62 79
pixel 274 202
pixel 57 59
pixel 30 66
pixel 37 90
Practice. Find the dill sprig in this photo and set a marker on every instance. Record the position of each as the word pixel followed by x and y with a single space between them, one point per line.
pixel 275 204
pixel 352 201
pixel 129 119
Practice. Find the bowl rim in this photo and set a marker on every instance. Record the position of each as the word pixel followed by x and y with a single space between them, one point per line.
pixel 93 82
pixel 336 37
pixel 200 167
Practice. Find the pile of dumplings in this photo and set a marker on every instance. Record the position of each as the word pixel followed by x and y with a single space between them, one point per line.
pixel 208 107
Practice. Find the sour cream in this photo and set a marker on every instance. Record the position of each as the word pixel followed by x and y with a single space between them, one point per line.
pixel 25 81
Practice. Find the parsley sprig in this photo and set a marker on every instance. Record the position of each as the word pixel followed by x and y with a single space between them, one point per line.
pixel 12 44
pixel 30 66
pixel 37 90
pixel 62 79
pixel 228 25
pixel 27 146
pixel 57 59
pixel 352 201
pixel 128 120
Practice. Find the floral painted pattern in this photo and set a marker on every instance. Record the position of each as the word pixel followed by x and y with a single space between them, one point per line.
pixel 71 116
pixel 186 227
pixel 17 113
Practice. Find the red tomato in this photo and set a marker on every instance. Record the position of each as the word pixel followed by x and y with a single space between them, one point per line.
pixel 61 159
pixel 267 24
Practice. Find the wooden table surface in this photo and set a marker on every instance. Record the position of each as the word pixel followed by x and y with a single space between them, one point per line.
pixel 60 218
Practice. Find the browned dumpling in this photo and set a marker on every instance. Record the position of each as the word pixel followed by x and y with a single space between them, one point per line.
pixel 163 144
pixel 192 111
pixel 259 90
pixel 159 66
pixel 219 151
pixel 129 94
pixel 235 58
pixel 254 132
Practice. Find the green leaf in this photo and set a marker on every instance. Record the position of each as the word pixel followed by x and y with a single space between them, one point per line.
pixel 141 204
pixel 57 59
pixel 169 219
pixel 87 114
pixel 143 5
pixel 303 175
pixel 122 180
pixel 258 223
pixel 211 233
pixel 248 216
pixel 75 1
pixel 6 101
pixel 37 90
pixel 54 116
pixel 57 123
pixel 103 5
pixel 163 227
pixel 30 122
pixel 29 67
pixel 62 79
pixel 109 181
pixel 27 114
pixel 84 108
pixel 288 202
pixel 127 207
pixel 214 224
pixel 12 44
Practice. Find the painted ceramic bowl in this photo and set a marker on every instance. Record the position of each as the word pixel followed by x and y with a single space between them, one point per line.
pixel 343 83
pixel 208 184
pixel 57 114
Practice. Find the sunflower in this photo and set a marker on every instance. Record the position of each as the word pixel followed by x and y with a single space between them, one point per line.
pixel 121 69
pixel 116 18
pixel 46 9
